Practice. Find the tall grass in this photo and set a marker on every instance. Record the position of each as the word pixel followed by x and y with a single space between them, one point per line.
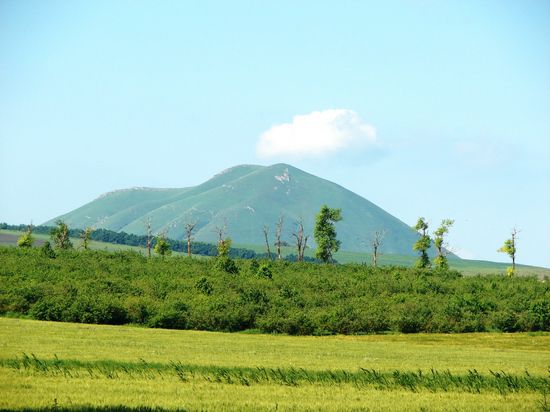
pixel 432 380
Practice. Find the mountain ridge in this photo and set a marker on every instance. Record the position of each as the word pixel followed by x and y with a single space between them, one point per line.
pixel 245 198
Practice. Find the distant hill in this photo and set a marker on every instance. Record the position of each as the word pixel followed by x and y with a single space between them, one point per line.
pixel 246 197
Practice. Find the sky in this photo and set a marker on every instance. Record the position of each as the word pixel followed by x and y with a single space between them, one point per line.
pixel 438 109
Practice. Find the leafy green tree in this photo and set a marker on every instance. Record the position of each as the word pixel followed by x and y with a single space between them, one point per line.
pixel 26 239
pixel 441 259
pixel 85 237
pixel 509 248
pixel 162 246
pixel 60 235
pixel 325 233
pixel 422 245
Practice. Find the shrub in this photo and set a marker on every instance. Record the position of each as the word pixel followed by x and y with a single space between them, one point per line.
pixel 227 265
pixel 265 272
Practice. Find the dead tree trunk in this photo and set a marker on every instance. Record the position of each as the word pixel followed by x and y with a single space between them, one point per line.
pixel 149 235
pixel 189 227
pixel 266 236
pixel 301 240
pixel 278 232
pixel 376 243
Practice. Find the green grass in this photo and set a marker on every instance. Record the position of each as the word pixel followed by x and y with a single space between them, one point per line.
pixel 63 365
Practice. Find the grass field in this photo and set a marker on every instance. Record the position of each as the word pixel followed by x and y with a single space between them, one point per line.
pixel 62 365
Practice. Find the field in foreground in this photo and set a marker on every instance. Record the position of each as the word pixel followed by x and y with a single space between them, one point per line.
pixel 64 365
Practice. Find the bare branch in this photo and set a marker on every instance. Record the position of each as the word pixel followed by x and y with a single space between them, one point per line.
pixel 266 236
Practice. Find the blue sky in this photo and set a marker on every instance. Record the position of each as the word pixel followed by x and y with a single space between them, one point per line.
pixel 427 108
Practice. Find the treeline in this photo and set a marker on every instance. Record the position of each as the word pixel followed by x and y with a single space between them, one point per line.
pixel 269 296
pixel 129 239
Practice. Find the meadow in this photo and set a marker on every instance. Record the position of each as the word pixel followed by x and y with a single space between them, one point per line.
pixel 67 366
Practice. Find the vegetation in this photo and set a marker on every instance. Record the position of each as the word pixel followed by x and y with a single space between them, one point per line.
pixel 58 366
pixel 376 244
pixel 440 260
pixel 162 247
pixel 422 245
pixel 122 238
pixel 509 248
pixel 26 239
pixel 60 235
pixel 325 233
pixel 271 296
pixel 85 237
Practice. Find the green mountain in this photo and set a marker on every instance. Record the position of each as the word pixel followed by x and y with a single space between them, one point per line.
pixel 245 198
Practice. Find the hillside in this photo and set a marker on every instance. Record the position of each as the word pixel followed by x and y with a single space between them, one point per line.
pixel 245 197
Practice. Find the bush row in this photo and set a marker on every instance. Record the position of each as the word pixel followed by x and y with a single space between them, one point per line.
pixel 280 297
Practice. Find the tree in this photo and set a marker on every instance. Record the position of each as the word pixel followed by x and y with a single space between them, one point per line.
pixel 189 227
pixel 60 235
pixel 26 239
pixel 266 236
pixel 301 240
pixel 422 245
pixel 224 246
pixel 509 248
pixel 162 247
pixel 278 232
pixel 85 237
pixel 149 234
pixel 441 259
pixel 325 233
pixel 223 261
pixel 376 243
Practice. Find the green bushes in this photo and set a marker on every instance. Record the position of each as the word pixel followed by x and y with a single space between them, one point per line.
pixel 280 297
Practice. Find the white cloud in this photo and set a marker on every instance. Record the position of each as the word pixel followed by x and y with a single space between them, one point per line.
pixel 317 134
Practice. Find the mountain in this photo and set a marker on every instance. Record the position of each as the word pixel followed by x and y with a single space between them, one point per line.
pixel 246 198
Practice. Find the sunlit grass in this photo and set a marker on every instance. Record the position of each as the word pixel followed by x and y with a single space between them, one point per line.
pixel 44 391
pixel 512 353
pixel 63 365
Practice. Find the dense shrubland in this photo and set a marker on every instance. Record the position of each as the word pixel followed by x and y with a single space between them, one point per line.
pixel 281 297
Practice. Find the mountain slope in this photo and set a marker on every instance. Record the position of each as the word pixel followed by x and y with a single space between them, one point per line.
pixel 246 198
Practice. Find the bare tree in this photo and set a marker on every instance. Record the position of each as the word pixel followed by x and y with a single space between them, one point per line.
pixel 376 243
pixel 301 240
pixel 266 236
pixel 278 232
pixel 149 234
pixel 189 227
pixel 222 239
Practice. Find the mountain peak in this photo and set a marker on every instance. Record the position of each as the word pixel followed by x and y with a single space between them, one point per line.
pixel 245 198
